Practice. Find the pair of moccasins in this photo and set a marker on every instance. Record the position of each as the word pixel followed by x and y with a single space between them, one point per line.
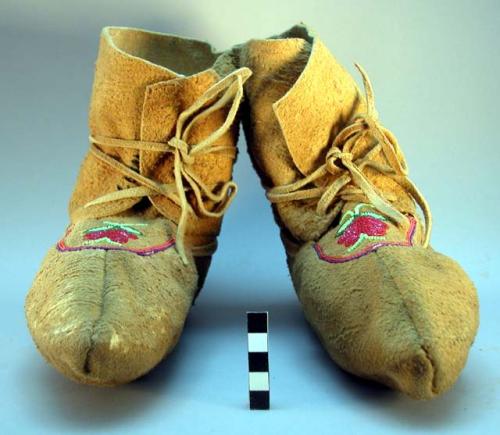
pixel 112 296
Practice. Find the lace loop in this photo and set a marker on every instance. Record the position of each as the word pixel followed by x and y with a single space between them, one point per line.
pixel 346 180
pixel 185 179
pixel 332 156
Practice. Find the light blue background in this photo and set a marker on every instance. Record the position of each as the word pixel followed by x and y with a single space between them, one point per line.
pixel 435 68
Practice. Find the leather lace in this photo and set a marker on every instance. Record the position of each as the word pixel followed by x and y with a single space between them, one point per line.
pixel 228 90
pixel 347 181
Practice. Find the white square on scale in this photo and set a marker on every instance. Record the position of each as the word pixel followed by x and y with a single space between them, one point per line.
pixel 258 381
pixel 257 342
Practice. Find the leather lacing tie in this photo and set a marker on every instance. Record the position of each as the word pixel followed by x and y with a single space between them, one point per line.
pixel 348 183
pixel 185 178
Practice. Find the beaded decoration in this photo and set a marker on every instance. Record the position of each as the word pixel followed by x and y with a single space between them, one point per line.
pixel 112 236
pixel 358 226
pixel 114 233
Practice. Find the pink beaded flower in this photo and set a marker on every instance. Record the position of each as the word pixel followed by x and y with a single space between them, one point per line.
pixel 357 226
pixel 112 232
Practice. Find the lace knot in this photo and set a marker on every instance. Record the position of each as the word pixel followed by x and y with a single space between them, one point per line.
pixel 182 147
pixel 210 201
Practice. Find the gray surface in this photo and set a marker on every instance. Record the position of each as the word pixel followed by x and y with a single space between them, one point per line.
pixel 435 68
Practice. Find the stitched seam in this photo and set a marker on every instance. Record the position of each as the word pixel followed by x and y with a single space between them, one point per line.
pixel 422 346
pixel 434 368
pixel 86 364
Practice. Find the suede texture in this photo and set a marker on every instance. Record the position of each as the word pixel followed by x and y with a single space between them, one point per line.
pixel 106 317
pixel 405 317
pixel 111 298
pixel 135 98
pixel 105 310
pixel 386 308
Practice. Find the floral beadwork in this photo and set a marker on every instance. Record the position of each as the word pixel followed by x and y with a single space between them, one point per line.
pixel 112 232
pixel 113 236
pixel 370 247
pixel 357 226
